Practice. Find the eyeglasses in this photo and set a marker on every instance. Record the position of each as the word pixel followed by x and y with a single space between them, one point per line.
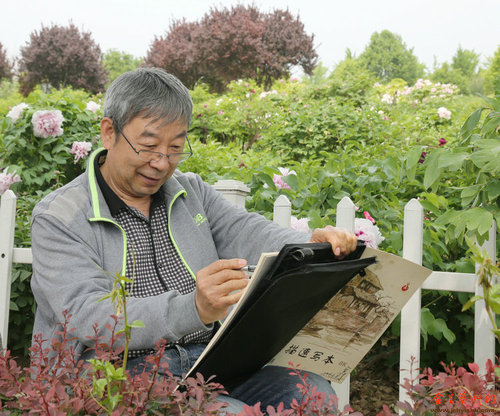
pixel 151 156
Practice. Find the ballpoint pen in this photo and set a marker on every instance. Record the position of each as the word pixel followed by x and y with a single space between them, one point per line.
pixel 248 269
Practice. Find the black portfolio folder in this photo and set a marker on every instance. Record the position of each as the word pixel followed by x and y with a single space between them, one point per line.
pixel 302 279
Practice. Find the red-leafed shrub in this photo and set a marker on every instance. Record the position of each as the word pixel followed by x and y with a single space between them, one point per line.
pixel 228 44
pixel 61 56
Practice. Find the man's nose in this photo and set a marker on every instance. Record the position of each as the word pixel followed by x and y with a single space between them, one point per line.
pixel 161 164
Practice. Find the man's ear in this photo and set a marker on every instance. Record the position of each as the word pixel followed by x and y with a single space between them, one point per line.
pixel 108 136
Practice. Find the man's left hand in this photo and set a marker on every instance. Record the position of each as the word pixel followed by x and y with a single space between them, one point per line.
pixel 343 242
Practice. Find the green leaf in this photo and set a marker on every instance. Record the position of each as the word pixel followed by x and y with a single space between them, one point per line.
pixel 491 125
pixel 471 302
pixel 452 161
pixel 412 158
pixel 292 180
pixel 432 171
pixel 493 189
pixel 470 123
pixel 136 324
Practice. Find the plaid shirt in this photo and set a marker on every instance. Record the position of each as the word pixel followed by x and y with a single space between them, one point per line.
pixel 152 259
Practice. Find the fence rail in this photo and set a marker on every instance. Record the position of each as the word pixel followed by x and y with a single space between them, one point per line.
pixel 235 192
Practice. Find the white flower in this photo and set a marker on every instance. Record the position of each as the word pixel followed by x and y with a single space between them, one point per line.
pixel 80 150
pixel 368 232
pixel 16 111
pixel 7 179
pixel 444 113
pixel 387 98
pixel 93 106
pixel 301 225
pixel 47 123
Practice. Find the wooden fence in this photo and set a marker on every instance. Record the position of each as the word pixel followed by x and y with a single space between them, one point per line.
pixel 235 192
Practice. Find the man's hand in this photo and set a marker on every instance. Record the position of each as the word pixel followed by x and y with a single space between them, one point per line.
pixel 342 241
pixel 214 286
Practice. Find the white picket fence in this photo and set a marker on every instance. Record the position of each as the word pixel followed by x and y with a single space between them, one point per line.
pixel 235 192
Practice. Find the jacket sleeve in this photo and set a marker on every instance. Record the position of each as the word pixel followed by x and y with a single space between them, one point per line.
pixel 238 233
pixel 68 275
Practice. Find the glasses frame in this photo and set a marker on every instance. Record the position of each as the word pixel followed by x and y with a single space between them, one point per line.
pixel 160 154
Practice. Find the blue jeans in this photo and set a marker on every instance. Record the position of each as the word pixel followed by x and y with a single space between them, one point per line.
pixel 271 385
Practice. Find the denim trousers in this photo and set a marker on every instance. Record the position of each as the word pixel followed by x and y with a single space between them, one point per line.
pixel 271 385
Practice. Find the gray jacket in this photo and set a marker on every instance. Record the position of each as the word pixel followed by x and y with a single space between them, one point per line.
pixel 75 240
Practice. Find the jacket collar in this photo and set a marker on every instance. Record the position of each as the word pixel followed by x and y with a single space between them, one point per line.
pixel 100 208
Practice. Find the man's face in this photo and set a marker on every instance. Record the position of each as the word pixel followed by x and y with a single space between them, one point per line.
pixel 129 176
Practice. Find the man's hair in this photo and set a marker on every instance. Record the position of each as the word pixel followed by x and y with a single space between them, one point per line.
pixel 148 92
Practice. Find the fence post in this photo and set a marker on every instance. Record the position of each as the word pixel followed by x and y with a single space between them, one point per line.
pixel 345 219
pixel 282 211
pixel 7 224
pixel 413 240
pixel 484 339
pixel 234 191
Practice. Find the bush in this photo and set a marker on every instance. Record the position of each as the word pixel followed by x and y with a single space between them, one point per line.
pixel 229 44
pixel 5 65
pixel 61 56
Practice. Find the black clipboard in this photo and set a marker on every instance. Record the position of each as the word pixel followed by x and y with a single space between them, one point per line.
pixel 301 280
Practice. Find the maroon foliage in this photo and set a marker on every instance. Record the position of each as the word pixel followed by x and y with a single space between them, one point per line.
pixel 5 65
pixel 61 56
pixel 228 44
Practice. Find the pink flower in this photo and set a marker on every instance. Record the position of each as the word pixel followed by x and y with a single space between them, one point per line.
pixel 7 179
pixel 220 112
pixel 366 231
pixel 443 112
pixel 301 225
pixel 47 123
pixel 387 98
pixel 442 141
pixel 368 216
pixel 80 150
pixel 278 179
pixel 16 111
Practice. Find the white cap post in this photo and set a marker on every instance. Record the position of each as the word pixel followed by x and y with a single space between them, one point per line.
pixel 7 224
pixel 234 191
pixel 282 211
pixel 413 241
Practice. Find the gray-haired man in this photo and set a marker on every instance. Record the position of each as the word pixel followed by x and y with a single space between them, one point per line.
pixel 133 212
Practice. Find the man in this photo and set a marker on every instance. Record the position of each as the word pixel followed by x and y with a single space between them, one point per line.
pixel 181 242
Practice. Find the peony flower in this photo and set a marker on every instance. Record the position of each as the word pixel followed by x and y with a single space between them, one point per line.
pixel 444 113
pixel 16 111
pixel 301 225
pixel 7 179
pixel 387 98
pixel 368 217
pixel 47 123
pixel 80 150
pixel 93 106
pixel 220 112
pixel 442 141
pixel 366 231
pixel 278 179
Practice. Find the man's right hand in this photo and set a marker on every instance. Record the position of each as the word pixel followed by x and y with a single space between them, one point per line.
pixel 215 285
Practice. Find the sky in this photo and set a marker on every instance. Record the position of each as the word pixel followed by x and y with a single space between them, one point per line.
pixel 433 28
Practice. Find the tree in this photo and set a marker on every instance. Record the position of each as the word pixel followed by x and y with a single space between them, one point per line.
pixel 465 61
pixel 462 71
pixel 118 62
pixel 388 57
pixel 493 71
pixel 5 65
pixel 228 44
pixel 61 56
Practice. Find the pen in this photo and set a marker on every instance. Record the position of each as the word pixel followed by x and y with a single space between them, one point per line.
pixel 248 269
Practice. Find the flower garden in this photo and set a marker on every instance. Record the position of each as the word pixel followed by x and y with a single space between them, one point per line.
pixel 314 140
